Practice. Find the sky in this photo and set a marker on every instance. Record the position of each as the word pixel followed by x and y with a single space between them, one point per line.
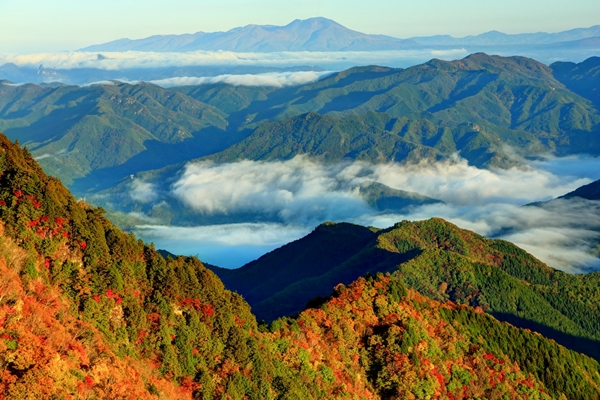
pixel 39 25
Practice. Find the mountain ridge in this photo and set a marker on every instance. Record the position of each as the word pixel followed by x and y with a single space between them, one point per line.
pixel 314 34
pixel 435 258
pixel 475 105
pixel 322 34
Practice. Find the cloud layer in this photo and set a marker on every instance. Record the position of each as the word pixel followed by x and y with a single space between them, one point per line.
pixel 300 193
pixel 274 79
pixel 114 61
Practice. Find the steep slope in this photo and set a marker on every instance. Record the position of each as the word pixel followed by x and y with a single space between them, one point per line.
pixel 375 338
pixel 437 259
pixel 74 130
pixel 87 311
pixel 313 34
pixel 590 191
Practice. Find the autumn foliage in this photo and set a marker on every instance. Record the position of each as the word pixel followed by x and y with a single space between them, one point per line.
pixel 90 312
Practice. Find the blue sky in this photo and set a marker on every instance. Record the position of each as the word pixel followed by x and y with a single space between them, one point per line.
pixel 42 25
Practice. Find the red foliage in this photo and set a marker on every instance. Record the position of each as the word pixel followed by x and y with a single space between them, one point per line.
pixel 439 377
pixel 188 385
pixel 89 382
pixel 141 336
pixel 96 298
pixel 47 262
pixel 2 203
pixel 110 294
pixel 18 193
pixel 83 245
pixel 207 310
pixel 33 200
pixel 240 322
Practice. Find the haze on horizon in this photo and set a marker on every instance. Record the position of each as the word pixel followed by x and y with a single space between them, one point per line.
pixel 65 26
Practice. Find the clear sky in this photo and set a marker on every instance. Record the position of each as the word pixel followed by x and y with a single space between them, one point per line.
pixel 42 25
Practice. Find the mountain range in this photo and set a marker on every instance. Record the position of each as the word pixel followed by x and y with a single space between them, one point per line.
pixel 322 34
pixel 88 311
pixel 479 106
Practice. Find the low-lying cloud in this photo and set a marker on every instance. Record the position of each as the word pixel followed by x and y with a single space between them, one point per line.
pixel 298 194
pixel 273 79
pixel 562 233
pixel 114 61
pixel 227 245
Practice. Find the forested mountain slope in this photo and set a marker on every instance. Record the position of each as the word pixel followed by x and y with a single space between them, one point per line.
pixel 76 130
pixel 478 106
pixel 91 312
pixel 475 105
pixel 439 260
pixel 87 311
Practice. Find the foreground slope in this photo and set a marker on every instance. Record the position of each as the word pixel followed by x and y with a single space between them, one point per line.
pixel 439 260
pixel 87 311
pixel 375 339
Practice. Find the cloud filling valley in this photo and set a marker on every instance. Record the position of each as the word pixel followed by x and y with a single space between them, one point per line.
pixel 296 195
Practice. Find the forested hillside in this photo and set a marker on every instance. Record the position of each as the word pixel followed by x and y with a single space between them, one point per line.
pixel 87 311
pixel 439 260
pixel 478 106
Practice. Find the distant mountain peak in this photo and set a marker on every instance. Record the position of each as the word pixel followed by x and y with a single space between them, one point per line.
pixel 312 34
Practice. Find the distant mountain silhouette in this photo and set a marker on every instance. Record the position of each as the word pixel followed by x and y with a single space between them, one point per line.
pixel 322 34
pixel 590 191
pixel 314 34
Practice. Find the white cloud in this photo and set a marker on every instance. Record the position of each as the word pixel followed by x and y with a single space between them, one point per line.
pixel 456 182
pixel 144 192
pixel 275 79
pixel 49 155
pixel 228 246
pixel 303 193
pixel 298 190
pixel 136 59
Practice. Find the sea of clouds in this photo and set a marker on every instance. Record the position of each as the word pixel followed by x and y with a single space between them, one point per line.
pixel 298 194
pixel 115 61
